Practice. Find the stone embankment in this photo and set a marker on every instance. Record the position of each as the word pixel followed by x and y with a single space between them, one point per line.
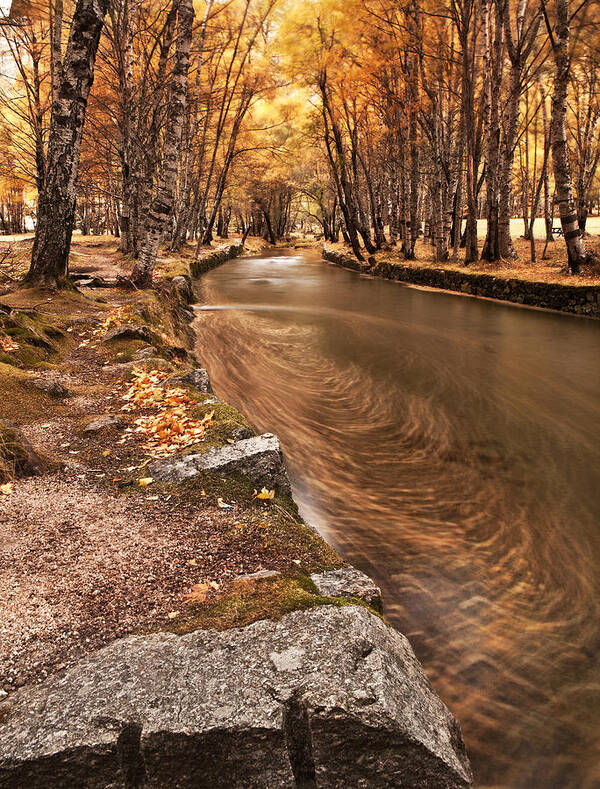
pixel 577 299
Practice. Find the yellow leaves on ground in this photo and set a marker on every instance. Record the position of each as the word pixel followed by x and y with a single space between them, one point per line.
pixel 115 317
pixel 7 344
pixel 145 481
pixel 264 495
pixel 6 488
pixel 198 592
pixel 168 429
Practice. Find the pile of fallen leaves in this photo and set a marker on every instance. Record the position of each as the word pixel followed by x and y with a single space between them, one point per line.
pixel 7 344
pixel 168 428
pixel 116 317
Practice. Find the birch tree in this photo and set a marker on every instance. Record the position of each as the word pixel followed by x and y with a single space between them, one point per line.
pixel 162 205
pixel 56 202
pixel 560 43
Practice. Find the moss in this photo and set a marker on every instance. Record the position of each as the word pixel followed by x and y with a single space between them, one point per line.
pixel 226 420
pixel 248 601
pixel 21 401
pixel 38 338
pixel 172 267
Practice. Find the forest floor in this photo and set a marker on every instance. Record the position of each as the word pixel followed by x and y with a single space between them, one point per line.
pixel 92 548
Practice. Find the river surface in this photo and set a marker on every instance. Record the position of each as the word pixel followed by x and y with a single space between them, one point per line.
pixel 449 447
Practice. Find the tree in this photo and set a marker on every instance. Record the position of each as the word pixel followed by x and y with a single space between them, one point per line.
pixel 162 205
pixel 56 202
pixel 560 40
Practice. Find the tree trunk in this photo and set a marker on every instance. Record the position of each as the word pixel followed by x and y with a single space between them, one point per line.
pixel 491 248
pixel 576 250
pixel 56 204
pixel 162 205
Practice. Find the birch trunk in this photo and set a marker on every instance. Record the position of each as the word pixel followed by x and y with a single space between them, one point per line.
pixel 491 248
pixel 56 203
pixel 162 205
pixel 576 250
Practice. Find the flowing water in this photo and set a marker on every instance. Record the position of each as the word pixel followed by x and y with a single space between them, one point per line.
pixel 450 447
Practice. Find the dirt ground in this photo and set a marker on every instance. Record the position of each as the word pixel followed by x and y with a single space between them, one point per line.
pixel 87 552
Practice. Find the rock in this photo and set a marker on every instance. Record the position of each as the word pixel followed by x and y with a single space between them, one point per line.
pixel 128 332
pixel 182 288
pixel 106 422
pixel 240 433
pixel 145 353
pixel 17 457
pixel 348 582
pixel 258 458
pixel 329 697
pixel 52 387
pixel 212 400
pixel 259 575
pixel 198 378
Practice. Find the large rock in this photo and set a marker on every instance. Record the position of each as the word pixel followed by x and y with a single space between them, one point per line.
pixel 53 387
pixel 128 331
pixel 198 378
pixel 17 457
pixel 258 458
pixel 330 697
pixel 348 582
pixel 105 422
pixel 181 287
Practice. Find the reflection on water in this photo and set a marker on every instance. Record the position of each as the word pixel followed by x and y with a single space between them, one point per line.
pixel 450 447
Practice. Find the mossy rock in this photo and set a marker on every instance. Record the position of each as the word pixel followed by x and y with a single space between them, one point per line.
pixel 17 456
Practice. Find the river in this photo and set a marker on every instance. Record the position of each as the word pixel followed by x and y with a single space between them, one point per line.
pixel 450 447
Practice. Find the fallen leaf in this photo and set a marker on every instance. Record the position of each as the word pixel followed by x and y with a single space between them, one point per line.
pixel 106 453
pixel 6 488
pixel 265 494
pixel 172 614
pixel 145 481
pixel 223 505
pixel 197 593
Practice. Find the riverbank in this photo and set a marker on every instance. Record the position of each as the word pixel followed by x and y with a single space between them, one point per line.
pixel 135 502
pixel 555 292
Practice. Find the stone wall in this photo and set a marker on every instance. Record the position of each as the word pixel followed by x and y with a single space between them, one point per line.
pixel 577 299
pixel 216 258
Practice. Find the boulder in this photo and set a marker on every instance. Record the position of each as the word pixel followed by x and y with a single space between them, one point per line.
pixel 128 332
pixel 348 582
pixel 17 457
pixel 329 697
pixel 52 387
pixel 198 378
pixel 258 458
pixel 181 287
pixel 106 422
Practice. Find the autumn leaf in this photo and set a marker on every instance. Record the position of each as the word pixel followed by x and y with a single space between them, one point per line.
pixel 222 504
pixel 265 494
pixel 6 488
pixel 145 481
pixel 197 593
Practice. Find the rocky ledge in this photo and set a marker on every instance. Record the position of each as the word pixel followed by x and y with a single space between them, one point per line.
pixel 329 697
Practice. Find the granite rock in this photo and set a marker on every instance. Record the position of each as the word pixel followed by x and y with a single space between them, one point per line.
pixel 329 697
pixel 258 458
